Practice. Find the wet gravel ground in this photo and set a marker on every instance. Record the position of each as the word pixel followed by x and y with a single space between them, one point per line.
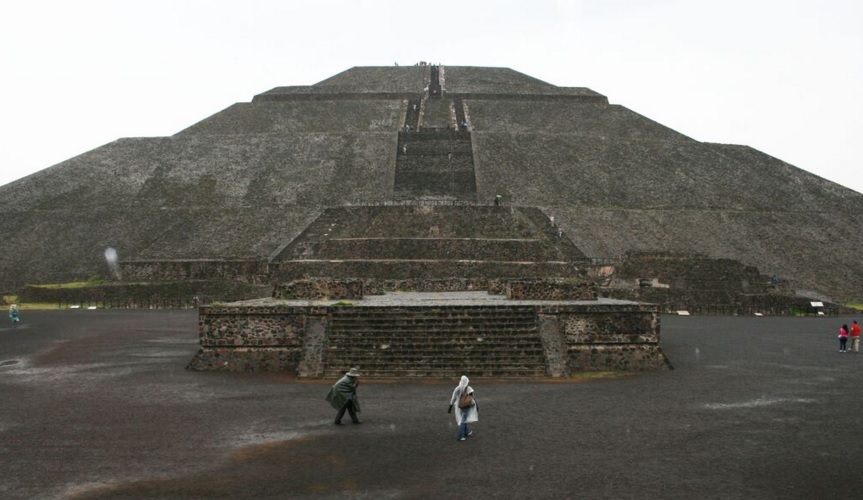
pixel 98 404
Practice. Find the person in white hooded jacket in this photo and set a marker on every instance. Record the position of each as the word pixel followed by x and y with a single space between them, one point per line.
pixel 463 415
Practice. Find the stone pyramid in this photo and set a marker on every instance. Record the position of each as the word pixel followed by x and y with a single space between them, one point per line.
pixel 243 184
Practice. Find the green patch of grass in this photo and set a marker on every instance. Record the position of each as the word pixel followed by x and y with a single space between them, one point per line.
pixel 74 284
pixel 854 305
pixel 39 306
pixel 32 306
pixel 36 306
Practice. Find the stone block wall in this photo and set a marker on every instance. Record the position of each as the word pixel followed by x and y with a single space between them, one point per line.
pixel 564 289
pixel 245 271
pixel 622 337
pixel 167 294
pixel 439 248
pixel 381 286
pixel 320 288
pixel 261 338
pixel 692 270
pixel 424 270
pixel 574 337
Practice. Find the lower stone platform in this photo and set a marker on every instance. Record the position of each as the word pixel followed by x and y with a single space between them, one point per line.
pixel 443 334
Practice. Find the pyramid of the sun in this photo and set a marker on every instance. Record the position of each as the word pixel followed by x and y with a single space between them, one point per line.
pixel 247 181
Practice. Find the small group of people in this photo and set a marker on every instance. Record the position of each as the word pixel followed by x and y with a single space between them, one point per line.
pixel 853 333
pixel 343 397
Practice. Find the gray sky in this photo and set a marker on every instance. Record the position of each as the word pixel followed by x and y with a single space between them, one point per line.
pixel 784 77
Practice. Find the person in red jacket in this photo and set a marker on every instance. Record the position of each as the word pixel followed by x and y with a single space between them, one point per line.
pixel 855 337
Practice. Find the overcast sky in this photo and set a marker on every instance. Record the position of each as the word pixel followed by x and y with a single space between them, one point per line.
pixel 782 76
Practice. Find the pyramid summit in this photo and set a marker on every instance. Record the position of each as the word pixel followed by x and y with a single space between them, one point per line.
pixel 393 166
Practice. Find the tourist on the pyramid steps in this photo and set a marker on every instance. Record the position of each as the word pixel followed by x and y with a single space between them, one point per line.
pixel 843 338
pixel 855 337
pixel 343 396
pixel 497 198
pixel 404 149
pixel 466 410
pixel 14 314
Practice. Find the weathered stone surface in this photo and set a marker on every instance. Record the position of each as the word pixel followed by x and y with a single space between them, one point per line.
pixel 431 335
pixel 560 289
pixel 246 181
pixel 320 288
pixel 617 358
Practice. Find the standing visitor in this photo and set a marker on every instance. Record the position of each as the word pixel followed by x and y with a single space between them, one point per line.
pixel 14 314
pixel 466 408
pixel 855 337
pixel 343 396
pixel 843 338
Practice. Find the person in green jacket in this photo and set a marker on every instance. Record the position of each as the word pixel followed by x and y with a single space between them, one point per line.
pixel 343 396
pixel 14 314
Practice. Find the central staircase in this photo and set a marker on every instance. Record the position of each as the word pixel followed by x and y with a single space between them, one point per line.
pixel 486 341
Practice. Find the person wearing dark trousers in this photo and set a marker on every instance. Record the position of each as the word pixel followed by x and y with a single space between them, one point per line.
pixel 843 338
pixel 343 396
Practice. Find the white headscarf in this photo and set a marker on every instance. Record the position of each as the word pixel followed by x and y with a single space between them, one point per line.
pixel 462 384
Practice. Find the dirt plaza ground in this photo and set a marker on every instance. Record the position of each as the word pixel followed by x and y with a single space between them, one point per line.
pixel 98 404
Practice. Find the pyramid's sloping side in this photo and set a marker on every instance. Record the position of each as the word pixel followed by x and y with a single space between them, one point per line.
pixel 358 80
pixel 724 201
pixel 299 116
pixel 194 196
pixel 469 80
pixel 245 181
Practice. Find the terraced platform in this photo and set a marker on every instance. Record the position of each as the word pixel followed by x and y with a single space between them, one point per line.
pixel 430 335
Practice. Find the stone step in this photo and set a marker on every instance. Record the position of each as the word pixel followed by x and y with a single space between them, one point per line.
pixel 508 337
pixel 366 364
pixel 462 363
pixel 380 339
pixel 421 269
pixel 454 326
pixel 432 350
pixel 408 316
pixel 489 324
pixel 436 147
pixel 445 312
pixel 434 248
pixel 444 372
pixel 375 341
pixel 435 326
pixel 436 136
pixel 463 310
pixel 439 352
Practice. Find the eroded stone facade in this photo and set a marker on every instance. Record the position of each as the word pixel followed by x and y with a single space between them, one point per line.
pixel 575 336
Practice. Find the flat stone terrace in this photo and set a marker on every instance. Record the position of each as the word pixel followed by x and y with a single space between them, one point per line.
pixel 430 335
pixel 395 299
